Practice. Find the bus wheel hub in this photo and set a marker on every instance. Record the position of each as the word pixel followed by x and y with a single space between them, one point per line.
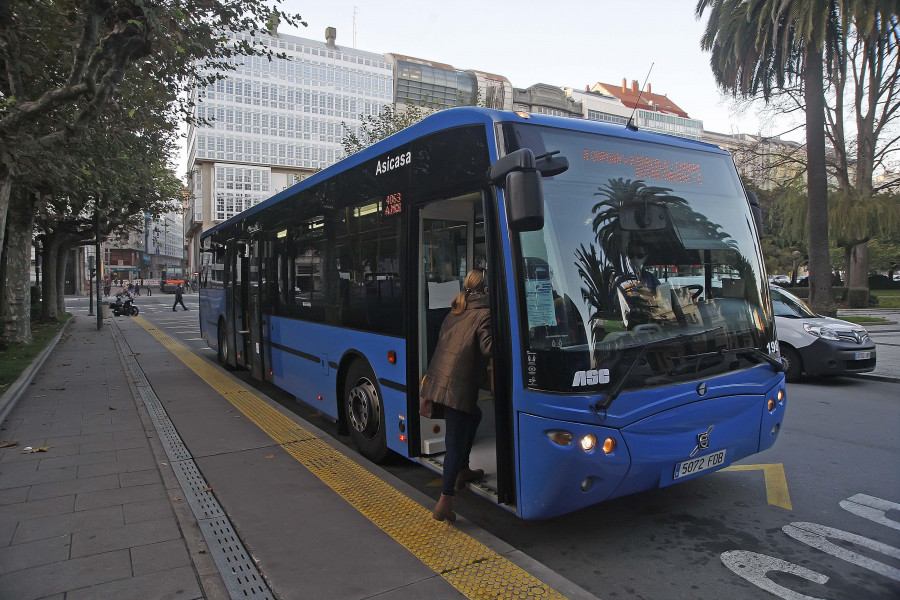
pixel 362 407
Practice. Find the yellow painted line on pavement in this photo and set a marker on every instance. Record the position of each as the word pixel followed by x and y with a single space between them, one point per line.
pixel 468 565
pixel 776 482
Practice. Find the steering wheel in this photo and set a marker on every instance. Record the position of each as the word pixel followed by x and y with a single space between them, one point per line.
pixel 696 289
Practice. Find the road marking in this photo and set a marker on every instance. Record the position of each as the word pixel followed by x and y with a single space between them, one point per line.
pixel 776 482
pixel 817 536
pixel 872 508
pixel 753 567
pixel 468 565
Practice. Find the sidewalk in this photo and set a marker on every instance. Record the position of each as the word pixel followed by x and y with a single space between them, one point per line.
pixel 87 512
pixel 147 477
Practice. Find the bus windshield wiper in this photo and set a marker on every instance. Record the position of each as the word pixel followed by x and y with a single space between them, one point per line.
pixel 617 389
pixel 751 351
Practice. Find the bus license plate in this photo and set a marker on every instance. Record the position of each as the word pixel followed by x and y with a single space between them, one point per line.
pixel 862 356
pixel 701 463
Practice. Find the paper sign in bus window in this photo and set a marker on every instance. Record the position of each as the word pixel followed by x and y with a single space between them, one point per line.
pixel 539 299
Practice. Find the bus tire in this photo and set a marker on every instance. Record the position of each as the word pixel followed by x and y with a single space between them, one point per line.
pixel 365 411
pixel 793 365
pixel 222 353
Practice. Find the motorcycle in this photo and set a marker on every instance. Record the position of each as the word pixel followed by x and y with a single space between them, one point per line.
pixel 124 305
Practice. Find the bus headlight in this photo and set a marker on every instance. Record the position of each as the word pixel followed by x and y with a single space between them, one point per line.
pixel 561 438
pixel 588 442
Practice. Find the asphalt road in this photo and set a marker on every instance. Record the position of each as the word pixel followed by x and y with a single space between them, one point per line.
pixel 839 441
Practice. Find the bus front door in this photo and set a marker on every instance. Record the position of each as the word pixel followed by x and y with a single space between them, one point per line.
pixel 451 241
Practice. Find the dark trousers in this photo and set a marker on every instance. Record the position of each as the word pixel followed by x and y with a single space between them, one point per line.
pixel 461 427
pixel 177 302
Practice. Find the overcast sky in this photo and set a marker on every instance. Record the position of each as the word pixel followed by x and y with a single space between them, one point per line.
pixel 570 43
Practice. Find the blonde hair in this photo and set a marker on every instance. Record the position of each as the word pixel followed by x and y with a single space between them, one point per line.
pixel 473 284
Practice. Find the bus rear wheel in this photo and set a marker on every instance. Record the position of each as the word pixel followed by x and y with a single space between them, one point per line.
pixel 364 411
pixel 222 353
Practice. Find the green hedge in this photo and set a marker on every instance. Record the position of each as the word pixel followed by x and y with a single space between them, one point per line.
pixel 840 292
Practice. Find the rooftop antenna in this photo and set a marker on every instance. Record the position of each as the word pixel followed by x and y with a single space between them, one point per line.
pixel 630 125
pixel 354 27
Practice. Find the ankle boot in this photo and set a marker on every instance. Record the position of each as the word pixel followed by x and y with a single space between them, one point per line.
pixel 442 511
pixel 467 475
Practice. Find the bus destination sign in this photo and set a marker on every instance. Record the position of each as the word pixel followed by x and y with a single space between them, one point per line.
pixel 649 167
pixel 392 205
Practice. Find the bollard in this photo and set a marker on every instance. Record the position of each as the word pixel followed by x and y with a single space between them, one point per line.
pixel 105 310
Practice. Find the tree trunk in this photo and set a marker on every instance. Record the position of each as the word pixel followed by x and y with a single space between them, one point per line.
pixel 858 276
pixel 5 187
pixel 17 317
pixel 821 294
pixel 48 281
pixel 61 254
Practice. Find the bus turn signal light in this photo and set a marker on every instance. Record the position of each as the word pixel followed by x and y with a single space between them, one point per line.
pixel 609 444
pixel 588 442
pixel 392 357
pixel 780 396
pixel 771 404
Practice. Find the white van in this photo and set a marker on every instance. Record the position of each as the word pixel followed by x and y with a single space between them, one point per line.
pixel 822 345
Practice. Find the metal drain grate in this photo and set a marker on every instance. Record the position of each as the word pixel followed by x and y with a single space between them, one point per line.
pixel 242 578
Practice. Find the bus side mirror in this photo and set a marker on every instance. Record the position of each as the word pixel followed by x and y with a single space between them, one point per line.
pixel 525 195
pixel 518 174
pixel 753 201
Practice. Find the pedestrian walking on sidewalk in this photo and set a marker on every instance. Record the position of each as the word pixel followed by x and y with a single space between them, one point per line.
pixel 149 289
pixel 179 298
pixel 456 372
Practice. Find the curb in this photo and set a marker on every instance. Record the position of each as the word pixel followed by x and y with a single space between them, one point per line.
pixel 885 378
pixel 17 389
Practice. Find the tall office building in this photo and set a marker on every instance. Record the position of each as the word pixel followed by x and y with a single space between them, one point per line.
pixel 269 124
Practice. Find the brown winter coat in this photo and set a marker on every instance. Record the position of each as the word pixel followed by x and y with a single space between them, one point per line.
pixel 460 361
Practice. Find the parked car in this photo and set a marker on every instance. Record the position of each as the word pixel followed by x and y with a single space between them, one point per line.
pixel 780 280
pixel 813 344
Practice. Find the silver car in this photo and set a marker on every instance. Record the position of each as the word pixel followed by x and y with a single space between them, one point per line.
pixel 813 344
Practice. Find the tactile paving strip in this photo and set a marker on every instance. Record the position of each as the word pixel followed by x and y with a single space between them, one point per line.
pixel 242 578
pixel 471 567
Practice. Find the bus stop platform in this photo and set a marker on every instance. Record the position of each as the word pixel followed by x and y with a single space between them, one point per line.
pixel 131 467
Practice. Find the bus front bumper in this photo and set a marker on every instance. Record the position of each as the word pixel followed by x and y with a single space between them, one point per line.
pixel 672 446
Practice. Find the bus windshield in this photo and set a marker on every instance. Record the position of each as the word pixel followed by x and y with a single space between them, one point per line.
pixel 643 244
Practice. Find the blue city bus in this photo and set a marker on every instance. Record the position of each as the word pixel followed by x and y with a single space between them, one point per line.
pixel 634 339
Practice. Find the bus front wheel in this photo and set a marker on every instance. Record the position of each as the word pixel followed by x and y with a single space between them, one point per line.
pixel 365 411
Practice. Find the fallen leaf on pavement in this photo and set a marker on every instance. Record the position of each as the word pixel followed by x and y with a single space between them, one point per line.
pixel 176 499
pixel 206 490
pixel 39 449
pixel 112 408
pixel 8 444
pixel 270 456
pixel 58 389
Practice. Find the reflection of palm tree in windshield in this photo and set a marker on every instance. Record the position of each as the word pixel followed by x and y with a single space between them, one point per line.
pixel 686 231
pixel 619 193
pixel 595 275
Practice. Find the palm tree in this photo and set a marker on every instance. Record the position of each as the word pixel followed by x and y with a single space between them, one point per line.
pixel 757 46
